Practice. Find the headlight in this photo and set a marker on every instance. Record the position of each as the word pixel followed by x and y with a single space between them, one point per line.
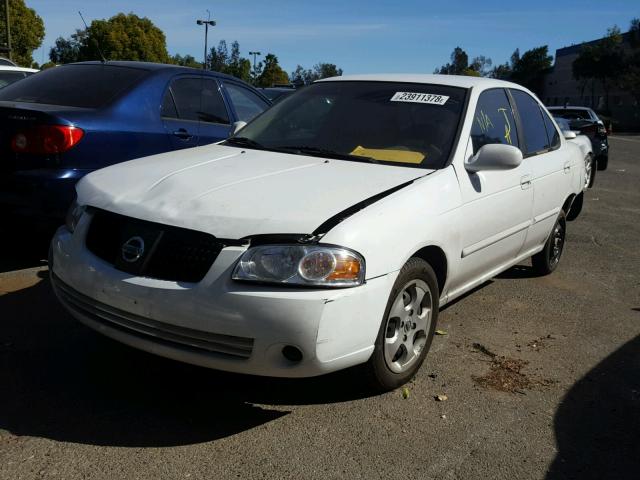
pixel 313 265
pixel 73 215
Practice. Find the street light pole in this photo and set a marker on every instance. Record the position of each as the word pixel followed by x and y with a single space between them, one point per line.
pixel 206 24
pixel 254 65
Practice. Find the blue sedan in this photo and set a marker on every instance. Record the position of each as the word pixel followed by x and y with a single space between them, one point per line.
pixel 62 123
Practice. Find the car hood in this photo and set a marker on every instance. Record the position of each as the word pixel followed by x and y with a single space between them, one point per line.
pixel 233 193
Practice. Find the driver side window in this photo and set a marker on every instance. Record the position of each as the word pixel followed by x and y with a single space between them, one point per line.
pixel 493 121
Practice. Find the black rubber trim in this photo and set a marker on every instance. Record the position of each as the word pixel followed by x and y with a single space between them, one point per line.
pixel 346 213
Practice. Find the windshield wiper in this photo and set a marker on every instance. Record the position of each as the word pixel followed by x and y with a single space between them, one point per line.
pixel 245 142
pixel 324 152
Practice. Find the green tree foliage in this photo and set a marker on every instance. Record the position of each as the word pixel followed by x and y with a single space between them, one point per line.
pixel 231 63
pixel 27 32
pixel 272 74
pixel 185 61
pixel 629 79
pixel 122 37
pixel 529 69
pixel 67 50
pixel 602 61
pixel 459 65
pixel 302 76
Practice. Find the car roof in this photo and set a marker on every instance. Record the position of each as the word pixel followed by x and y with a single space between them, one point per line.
pixel 568 107
pixel 9 68
pixel 151 66
pixel 450 80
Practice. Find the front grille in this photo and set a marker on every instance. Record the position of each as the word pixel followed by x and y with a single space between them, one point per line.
pixel 169 253
pixel 151 330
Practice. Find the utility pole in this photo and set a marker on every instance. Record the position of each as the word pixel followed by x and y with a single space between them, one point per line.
pixel 208 22
pixel 255 76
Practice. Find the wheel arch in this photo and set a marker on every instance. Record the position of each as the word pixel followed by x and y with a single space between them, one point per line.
pixel 573 206
pixel 435 257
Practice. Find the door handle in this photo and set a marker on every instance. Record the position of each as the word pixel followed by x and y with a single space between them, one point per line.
pixel 182 134
pixel 525 181
pixel 567 167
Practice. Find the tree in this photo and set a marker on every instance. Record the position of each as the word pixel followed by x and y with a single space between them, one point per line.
pixel 459 65
pixel 272 74
pixel 529 69
pixel 602 61
pixel 27 32
pixel 300 76
pixel 185 61
pixel 67 50
pixel 630 78
pixel 122 37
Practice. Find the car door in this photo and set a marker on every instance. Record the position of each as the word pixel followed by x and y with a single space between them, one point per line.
pixel 496 205
pixel 215 123
pixel 549 167
pixel 246 103
pixel 180 111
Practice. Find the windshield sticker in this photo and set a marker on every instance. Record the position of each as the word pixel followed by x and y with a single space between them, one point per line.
pixel 428 98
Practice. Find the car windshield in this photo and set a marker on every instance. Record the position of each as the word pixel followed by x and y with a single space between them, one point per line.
pixel 88 86
pixel 572 114
pixel 562 122
pixel 393 123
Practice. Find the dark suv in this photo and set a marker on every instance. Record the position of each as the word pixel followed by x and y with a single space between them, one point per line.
pixel 585 121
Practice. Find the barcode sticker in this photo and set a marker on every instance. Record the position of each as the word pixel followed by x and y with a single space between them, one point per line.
pixel 428 98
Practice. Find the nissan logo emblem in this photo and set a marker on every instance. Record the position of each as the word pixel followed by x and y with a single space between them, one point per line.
pixel 132 249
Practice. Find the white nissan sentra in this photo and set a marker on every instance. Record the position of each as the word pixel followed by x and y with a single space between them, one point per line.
pixel 327 232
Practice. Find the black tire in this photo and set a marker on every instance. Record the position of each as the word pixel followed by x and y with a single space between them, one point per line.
pixel 593 171
pixel 603 162
pixel 381 377
pixel 548 259
pixel 576 207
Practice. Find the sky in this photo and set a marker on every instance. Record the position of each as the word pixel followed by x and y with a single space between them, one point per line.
pixel 359 36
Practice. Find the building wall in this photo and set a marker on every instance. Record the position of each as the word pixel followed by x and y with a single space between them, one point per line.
pixel 561 88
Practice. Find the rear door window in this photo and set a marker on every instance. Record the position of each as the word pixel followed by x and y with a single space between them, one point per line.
pixel 246 103
pixel 89 86
pixel 552 132
pixel 533 127
pixel 196 99
pixel 493 121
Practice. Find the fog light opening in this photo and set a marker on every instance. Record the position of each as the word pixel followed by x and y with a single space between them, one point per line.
pixel 291 353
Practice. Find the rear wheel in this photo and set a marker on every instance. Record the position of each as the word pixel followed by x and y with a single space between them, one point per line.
pixel 547 260
pixel 603 162
pixel 407 327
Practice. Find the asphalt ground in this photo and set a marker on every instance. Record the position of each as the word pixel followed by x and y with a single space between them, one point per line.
pixel 538 377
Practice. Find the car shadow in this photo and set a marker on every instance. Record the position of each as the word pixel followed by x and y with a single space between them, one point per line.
pixel 519 271
pixel 597 425
pixel 26 250
pixel 64 382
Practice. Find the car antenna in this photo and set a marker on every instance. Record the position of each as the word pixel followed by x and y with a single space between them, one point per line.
pixel 104 60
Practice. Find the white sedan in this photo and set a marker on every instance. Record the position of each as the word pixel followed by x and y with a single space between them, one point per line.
pixel 326 233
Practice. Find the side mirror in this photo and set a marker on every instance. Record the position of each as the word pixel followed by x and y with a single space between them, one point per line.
pixel 569 134
pixel 237 126
pixel 494 156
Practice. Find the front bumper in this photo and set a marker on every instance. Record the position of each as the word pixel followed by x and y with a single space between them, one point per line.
pixel 219 323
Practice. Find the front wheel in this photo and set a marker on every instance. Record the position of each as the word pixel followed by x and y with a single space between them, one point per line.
pixel 547 260
pixel 589 171
pixel 407 327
